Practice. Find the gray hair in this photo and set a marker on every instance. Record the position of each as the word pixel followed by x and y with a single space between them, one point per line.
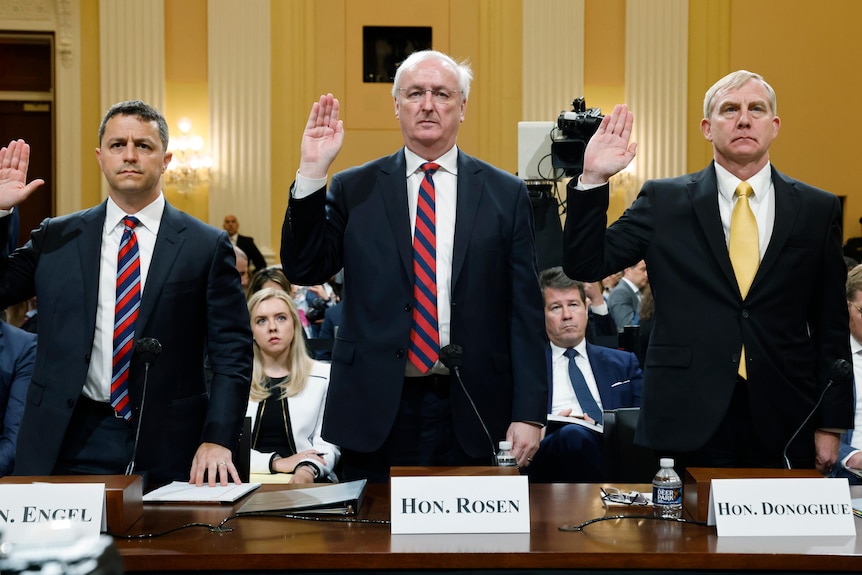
pixel 733 81
pixel 462 70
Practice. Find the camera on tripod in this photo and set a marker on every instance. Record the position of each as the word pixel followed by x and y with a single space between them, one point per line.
pixel 575 130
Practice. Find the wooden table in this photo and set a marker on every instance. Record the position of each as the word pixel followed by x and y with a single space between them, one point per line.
pixel 277 544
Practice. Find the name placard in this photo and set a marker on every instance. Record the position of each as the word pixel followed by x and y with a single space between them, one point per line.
pixel 460 504
pixel 40 513
pixel 770 507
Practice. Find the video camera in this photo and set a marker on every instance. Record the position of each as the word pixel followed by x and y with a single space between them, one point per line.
pixel 576 129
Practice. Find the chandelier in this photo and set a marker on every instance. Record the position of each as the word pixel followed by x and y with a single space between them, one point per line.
pixel 190 165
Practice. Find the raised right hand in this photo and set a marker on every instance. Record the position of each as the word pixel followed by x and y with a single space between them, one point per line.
pixel 609 150
pixel 322 138
pixel 14 161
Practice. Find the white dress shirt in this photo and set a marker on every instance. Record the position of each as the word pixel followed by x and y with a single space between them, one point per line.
pixel 564 394
pixel 98 383
pixel 446 199
pixel 762 202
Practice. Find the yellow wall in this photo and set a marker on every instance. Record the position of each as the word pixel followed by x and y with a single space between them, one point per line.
pixel 91 110
pixel 186 90
pixel 806 54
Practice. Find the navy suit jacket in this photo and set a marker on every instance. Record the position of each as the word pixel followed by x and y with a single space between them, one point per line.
pixel 192 302
pixel 17 356
pixel 618 376
pixel 362 224
pixel 793 322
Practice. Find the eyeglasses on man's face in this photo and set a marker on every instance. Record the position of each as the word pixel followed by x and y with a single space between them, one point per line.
pixel 416 95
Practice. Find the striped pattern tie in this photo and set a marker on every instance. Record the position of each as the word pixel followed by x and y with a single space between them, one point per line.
pixel 424 335
pixel 125 316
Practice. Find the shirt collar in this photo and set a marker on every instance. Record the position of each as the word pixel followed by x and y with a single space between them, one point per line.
pixel 760 182
pixel 448 161
pixel 557 351
pixel 150 217
pixel 855 346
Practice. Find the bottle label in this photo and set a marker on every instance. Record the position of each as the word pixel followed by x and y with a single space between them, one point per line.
pixel 667 495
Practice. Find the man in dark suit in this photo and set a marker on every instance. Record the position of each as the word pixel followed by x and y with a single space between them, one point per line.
pixel 190 300
pixel 625 299
pixel 391 401
pixel 570 452
pixel 245 243
pixel 17 355
pixel 849 463
pixel 750 314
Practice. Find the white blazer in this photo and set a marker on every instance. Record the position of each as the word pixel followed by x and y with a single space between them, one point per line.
pixel 306 420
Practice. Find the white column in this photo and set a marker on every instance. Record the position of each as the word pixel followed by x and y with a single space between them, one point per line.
pixel 67 192
pixel 239 96
pixel 656 81
pixel 132 53
pixel 553 57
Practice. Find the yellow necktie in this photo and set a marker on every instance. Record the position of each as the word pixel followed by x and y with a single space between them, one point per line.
pixel 744 248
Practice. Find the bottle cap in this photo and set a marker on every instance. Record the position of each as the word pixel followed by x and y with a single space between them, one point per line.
pixel 505 445
pixel 666 462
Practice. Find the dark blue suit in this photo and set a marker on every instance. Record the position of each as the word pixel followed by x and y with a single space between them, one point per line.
pixel 17 355
pixel 192 303
pixel 362 224
pixel 571 453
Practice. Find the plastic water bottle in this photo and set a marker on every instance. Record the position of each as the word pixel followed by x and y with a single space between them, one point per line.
pixel 505 457
pixel 667 491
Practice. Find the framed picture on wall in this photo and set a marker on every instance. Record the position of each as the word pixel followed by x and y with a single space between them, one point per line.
pixel 384 47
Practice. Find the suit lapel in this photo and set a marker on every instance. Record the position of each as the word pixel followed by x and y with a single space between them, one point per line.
pixel 169 242
pixel 391 186
pixel 787 206
pixel 703 191
pixel 91 225
pixel 601 375
pixel 470 189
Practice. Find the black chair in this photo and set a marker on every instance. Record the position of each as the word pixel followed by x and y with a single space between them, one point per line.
pixel 626 462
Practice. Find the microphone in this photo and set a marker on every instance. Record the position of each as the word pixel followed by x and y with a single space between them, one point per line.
pixel 841 371
pixel 148 349
pixel 452 356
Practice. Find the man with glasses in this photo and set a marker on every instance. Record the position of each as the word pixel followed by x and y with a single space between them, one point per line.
pixel 437 249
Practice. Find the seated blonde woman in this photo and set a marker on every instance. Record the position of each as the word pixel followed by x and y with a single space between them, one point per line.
pixel 288 394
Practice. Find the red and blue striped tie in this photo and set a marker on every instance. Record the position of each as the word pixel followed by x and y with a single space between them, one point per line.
pixel 125 316
pixel 424 335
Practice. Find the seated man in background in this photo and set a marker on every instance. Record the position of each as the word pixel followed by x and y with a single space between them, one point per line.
pixel 849 463
pixel 245 243
pixel 17 355
pixel 584 380
pixel 624 300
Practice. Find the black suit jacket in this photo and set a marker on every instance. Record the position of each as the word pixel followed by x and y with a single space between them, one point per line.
pixel 362 223
pixel 794 321
pixel 192 302
pixel 246 244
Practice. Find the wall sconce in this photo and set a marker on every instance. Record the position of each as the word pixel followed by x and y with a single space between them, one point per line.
pixel 190 166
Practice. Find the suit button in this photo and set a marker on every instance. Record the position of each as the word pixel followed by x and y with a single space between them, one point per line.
pixel 408 307
pixel 400 353
pixel 745 314
pixel 734 358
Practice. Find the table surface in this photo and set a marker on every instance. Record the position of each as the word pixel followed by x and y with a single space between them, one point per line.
pixel 626 544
